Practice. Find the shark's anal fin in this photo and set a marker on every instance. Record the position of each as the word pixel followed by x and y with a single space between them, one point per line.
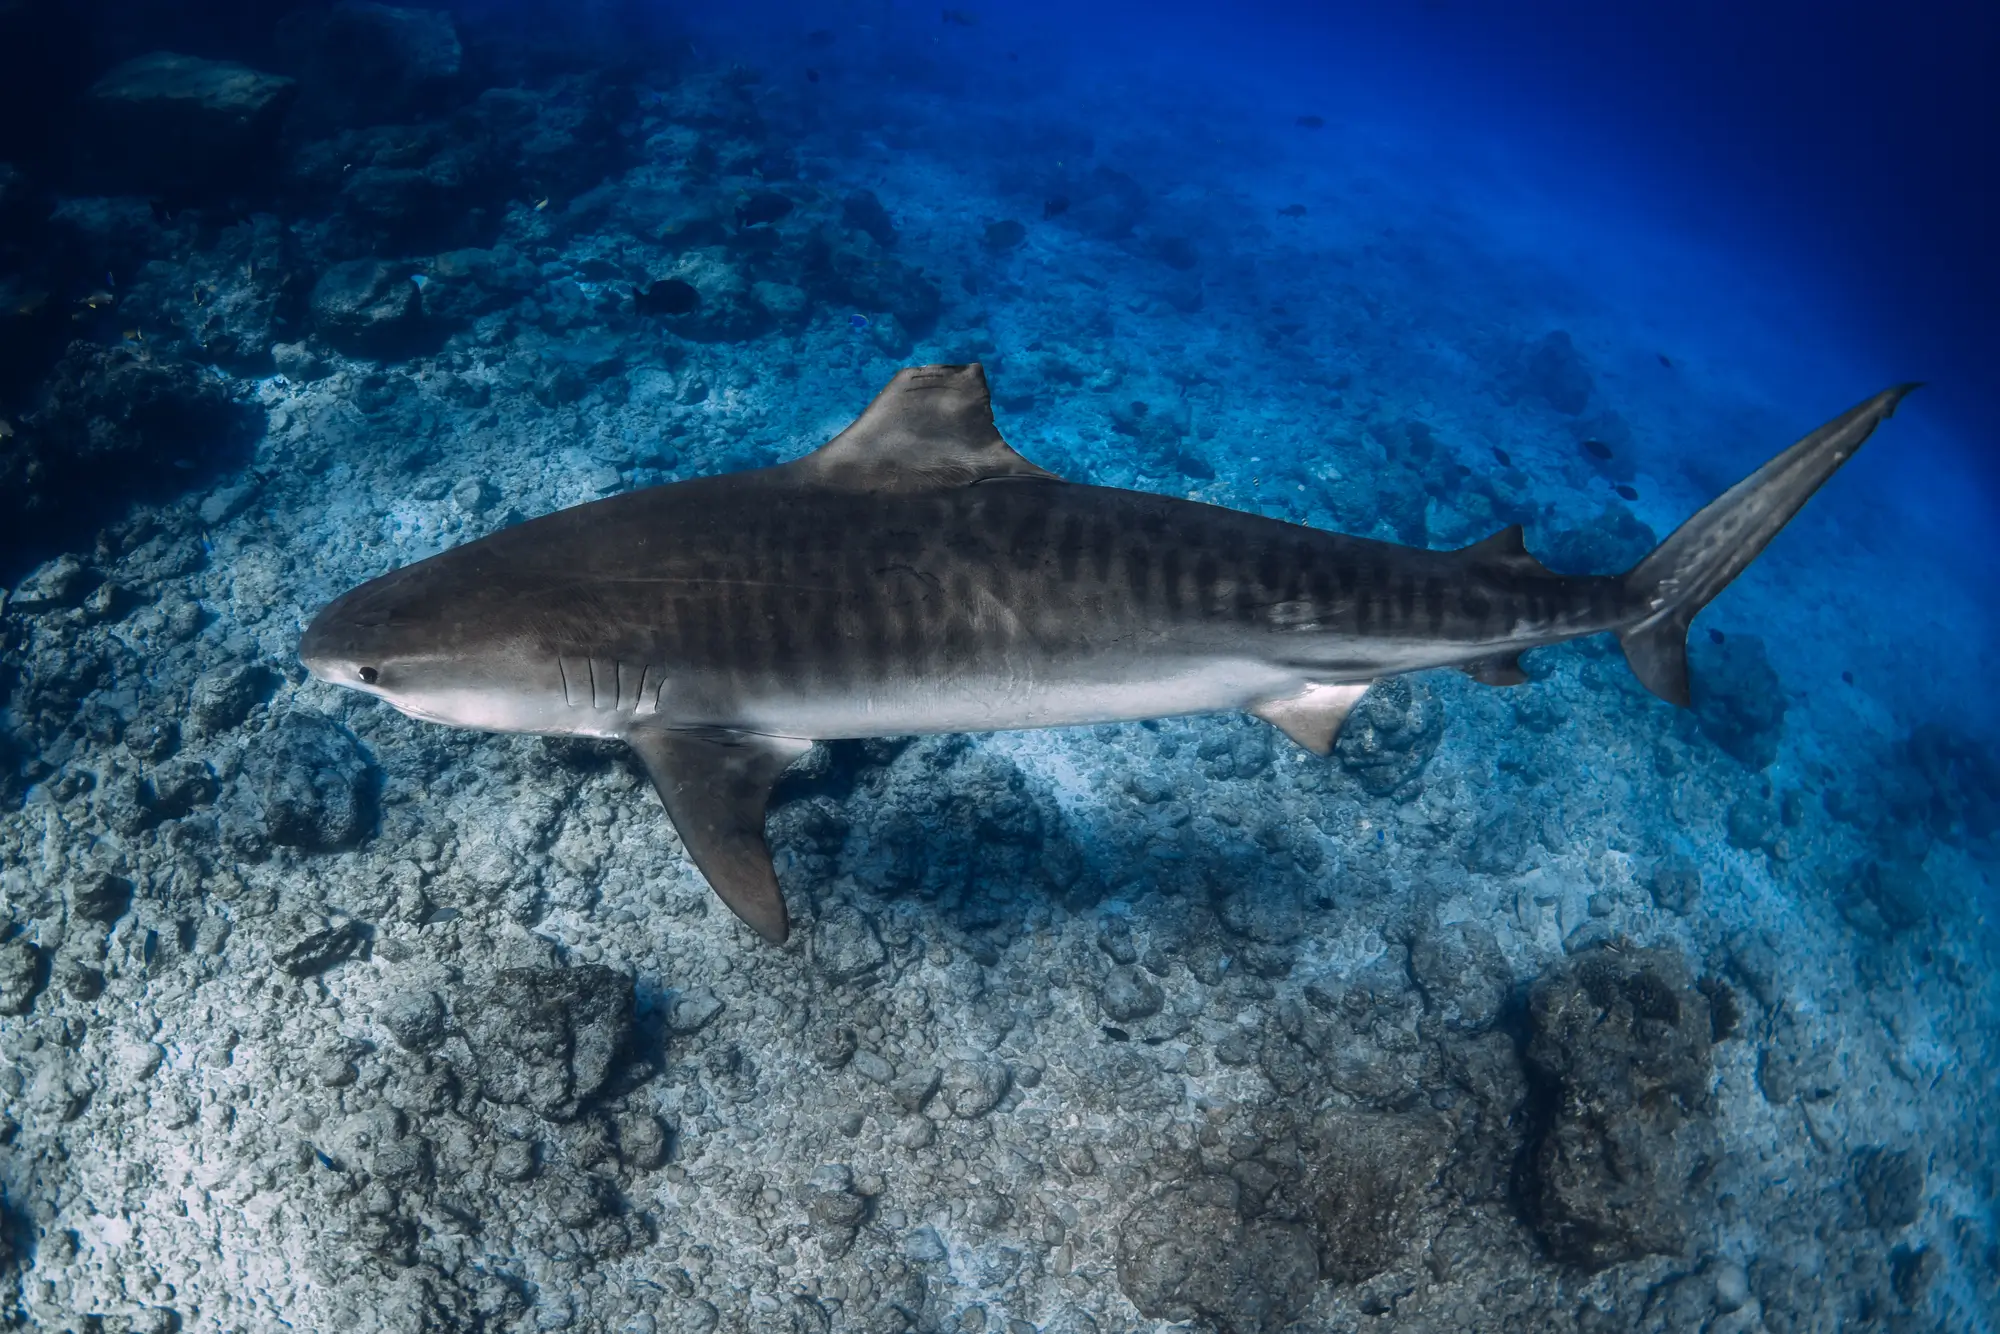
pixel 1313 717
pixel 1502 669
pixel 715 785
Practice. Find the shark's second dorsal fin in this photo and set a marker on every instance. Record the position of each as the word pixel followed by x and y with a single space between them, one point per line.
pixel 1508 547
pixel 931 428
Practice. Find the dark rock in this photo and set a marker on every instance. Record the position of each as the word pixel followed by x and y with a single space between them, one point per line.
pixel 1391 735
pixel 1368 1184
pixel 1176 252
pixel 1675 884
pixel 845 944
pixel 21 976
pixel 1462 973
pixel 835 1045
pixel 1188 1254
pixel 222 699
pixel 1114 937
pixel 181 126
pixel 1498 846
pixel 309 784
pixel 176 789
pixel 1889 1184
pixel 1887 898
pixel 863 212
pixel 361 63
pixel 416 1019
pixel 691 1011
pixel 643 1140
pixel 1128 995
pixel 1619 1047
pixel 1556 371
pixel 832 1202
pixel 102 897
pixel 974 1087
pixel 62 582
pixel 549 1038
pixel 1795 1065
pixel 1753 823
pixel 305 945
pixel 1911 1271
pixel 1738 699
pixel 114 424
pixel 84 983
pixel 368 307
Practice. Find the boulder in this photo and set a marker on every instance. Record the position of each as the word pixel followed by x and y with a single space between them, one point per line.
pixel 368 64
pixel 549 1038
pixel 1619 1045
pixel 368 307
pixel 309 784
pixel 178 125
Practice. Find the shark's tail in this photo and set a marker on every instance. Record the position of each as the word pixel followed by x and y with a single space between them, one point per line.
pixel 1699 559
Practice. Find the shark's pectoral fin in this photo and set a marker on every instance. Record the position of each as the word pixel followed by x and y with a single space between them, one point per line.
pixel 1313 717
pixel 715 785
pixel 931 428
pixel 1502 669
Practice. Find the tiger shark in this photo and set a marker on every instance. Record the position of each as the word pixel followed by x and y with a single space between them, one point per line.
pixel 916 575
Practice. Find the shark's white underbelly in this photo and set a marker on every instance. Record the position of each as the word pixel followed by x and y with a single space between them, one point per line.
pixel 996 702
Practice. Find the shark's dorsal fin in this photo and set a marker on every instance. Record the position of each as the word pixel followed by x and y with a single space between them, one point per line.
pixel 931 428
pixel 715 785
pixel 1313 717
pixel 1508 547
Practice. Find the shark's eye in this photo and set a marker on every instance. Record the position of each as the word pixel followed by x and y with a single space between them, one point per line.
pixel 369 676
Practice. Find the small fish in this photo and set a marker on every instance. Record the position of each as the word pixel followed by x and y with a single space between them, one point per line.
pixel 6 429
pixel 1054 207
pixel 857 322
pixel 32 303
pixel 763 209
pixel 961 18
pixel 1716 636
pixel 1292 211
pixel 1597 449
pixel 1665 360
pixel 1004 235
pixel 201 296
pixel 1626 491
pixel 1311 122
pixel 1847 677
pixel 134 336
pixel 100 300
pixel 1501 456
pixel 541 204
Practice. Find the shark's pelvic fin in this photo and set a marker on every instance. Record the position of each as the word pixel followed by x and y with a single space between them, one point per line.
pixel 932 427
pixel 1501 670
pixel 1313 717
pixel 715 785
pixel 1699 558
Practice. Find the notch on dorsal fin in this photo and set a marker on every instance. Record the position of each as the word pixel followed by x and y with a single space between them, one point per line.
pixel 715 785
pixel 1314 716
pixel 1508 547
pixel 931 428
pixel 1502 669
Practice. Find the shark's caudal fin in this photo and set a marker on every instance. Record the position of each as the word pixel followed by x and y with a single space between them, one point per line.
pixel 1701 556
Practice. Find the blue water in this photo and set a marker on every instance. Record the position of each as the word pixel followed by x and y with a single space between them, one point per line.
pixel 1412 271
